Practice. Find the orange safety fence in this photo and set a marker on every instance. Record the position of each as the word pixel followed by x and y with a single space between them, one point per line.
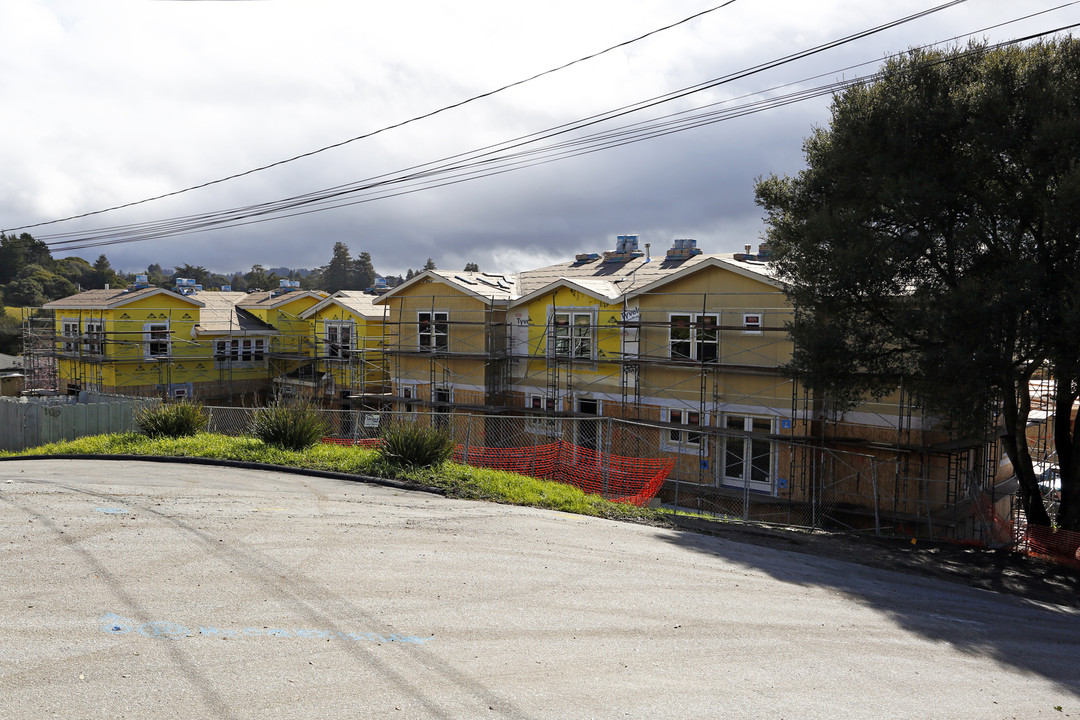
pixel 1061 546
pixel 362 442
pixel 621 479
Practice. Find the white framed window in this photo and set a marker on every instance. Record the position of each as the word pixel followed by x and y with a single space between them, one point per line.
pixel 570 335
pixel 748 454
pixel 239 350
pixel 694 336
pixel 752 323
pixel 543 425
pixel 339 340
pixel 252 350
pixel 180 392
pixel 156 340
pixel 94 339
pixel 677 439
pixel 69 330
pixel 433 331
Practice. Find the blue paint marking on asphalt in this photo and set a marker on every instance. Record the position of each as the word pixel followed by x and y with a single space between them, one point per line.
pixel 112 511
pixel 114 624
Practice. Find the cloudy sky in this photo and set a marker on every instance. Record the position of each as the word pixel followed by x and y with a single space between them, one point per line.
pixel 112 102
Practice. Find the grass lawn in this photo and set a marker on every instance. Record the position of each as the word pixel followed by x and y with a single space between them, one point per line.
pixel 459 481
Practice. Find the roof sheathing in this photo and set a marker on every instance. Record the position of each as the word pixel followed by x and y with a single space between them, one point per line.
pixel 356 302
pixel 109 299
pixel 489 288
pixel 275 298
pixel 221 316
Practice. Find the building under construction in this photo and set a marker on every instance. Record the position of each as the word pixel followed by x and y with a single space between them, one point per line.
pixel 677 355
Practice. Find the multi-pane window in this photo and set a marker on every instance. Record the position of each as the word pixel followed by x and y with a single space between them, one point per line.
pixel 156 340
pixel 339 340
pixel 571 335
pixel 432 331
pixel 695 336
pixel 70 332
pixel 752 323
pixel 748 453
pixel 94 339
pixel 684 438
pixel 236 350
pixel 544 425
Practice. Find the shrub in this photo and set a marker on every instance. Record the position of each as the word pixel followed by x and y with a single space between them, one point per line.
pixel 416 445
pixel 290 425
pixel 178 419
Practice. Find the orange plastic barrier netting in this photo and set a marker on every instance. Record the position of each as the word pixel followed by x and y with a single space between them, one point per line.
pixel 620 479
pixel 1062 546
pixel 363 442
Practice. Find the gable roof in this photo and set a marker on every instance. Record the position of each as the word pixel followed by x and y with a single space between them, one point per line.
pixel 355 301
pixel 221 316
pixel 753 269
pixel 113 298
pixel 486 287
pixel 276 298
pixel 599 289
pixel 639 275
pixel 612 282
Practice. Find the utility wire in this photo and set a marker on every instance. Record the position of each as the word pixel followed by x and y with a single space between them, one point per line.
pixel 389 127
pixel 230 217
pixel 432 175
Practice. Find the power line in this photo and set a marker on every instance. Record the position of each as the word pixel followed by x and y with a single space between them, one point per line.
pixel 485 162
pixel 403 123
pixel 302 204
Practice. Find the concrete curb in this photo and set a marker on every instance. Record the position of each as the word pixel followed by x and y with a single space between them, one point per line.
pixel 244 464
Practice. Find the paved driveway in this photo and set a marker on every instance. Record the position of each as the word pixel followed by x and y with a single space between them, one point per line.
pixel 150 590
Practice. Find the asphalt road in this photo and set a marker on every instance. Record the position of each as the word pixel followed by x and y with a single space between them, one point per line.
pixel 149 590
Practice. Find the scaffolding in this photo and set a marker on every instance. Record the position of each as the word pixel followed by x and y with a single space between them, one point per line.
pixel 696 377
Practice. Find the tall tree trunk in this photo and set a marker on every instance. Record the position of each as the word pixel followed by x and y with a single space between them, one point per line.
pixel 1067 446
pixel 1015 409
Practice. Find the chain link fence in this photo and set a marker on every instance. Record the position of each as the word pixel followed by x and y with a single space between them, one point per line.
pixel 713 471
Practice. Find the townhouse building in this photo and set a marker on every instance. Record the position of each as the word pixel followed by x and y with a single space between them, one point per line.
pixel 678 355
pixel 217 347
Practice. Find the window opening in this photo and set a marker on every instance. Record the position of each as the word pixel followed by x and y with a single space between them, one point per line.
pixel 695 336
pixel 571 335
pixel 433 330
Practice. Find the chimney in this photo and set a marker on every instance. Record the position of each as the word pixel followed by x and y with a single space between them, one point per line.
pixel 648 255
pixel 747 248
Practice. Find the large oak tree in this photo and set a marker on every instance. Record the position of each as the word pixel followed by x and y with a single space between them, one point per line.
pixel 933 241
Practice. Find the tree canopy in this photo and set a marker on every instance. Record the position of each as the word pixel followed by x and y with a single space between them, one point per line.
pixel 933 242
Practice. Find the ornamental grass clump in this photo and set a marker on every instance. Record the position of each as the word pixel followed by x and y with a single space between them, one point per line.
pixel 416 445
pixel 173 420
pixel 289 425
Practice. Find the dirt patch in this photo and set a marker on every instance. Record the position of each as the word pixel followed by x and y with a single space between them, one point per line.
pixel 1005 570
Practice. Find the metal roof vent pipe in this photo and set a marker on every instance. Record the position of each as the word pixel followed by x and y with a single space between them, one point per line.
pixel 648 255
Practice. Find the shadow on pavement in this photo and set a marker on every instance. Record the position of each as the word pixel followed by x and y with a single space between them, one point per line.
pixel 920 593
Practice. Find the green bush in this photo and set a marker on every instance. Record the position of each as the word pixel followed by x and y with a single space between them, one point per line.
pixel 178 419
pixel 416 445
pixel 289 425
